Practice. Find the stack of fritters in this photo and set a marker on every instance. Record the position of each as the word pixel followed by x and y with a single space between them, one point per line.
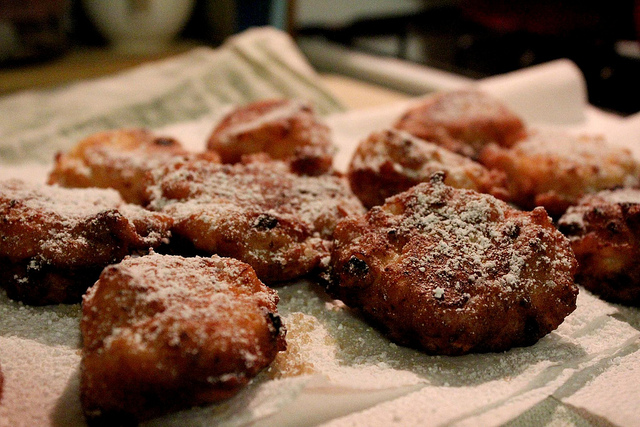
pixel 525 167
pixel 435 263
pixel 164 332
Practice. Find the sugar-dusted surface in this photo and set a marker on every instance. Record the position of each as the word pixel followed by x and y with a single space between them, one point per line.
pixel 454 271
pixel 163 332
pixel 40 356
pixel 55 241
pixel 71 205
pixel 391 161
pixel 554 168
pixel 187 188
pixel 621 195
pixel 494 389
pixel 61 221
pixel 280 112
pixel 167 291
pixel 278 222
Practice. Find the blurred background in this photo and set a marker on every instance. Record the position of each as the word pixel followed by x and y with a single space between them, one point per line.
pixel 473 38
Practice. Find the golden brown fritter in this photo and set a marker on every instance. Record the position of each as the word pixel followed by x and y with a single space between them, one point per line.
pixel 116 159
pixel 163 332
pixel 463 121
pixel 391 161
pixel 453 271
pixel 604 231
pixel 278 222
pixel 55 241
pixel 285 129
pixel 555 169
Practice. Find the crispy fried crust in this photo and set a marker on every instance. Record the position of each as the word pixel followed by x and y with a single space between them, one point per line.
pixel 604 230
pixel 116 159
pixel 261 213
pixel 453 271
pixel 284 129
pixel 55 241
pixel 162 333
pixel 554 169
pixel 463 121
pixel 391 161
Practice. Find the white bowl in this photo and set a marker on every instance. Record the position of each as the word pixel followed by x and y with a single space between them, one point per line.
pixel 139 26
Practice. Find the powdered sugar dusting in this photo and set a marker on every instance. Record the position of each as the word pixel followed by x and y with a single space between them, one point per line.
pixel 570 150
pixel 434 265
pixel 279 112
pixel 573 219
pixel 468 232
pixel 269 188
pixel 621 196
pixel 457 105
pixel 164 293
pixel 325 338
pixel 415 158
pixel 72 204
pixel 310 348
pixel 278 222
pixel 39 357
pixel 68 225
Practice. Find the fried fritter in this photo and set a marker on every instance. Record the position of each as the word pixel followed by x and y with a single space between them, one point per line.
pixel 56 241
pixel 116 159
pixel 555 169
pixel 278 222
pixel 463 121
pixel 285 129
pixel 163 332
pixel 604 231
pixel 453 271
pixel 391 161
